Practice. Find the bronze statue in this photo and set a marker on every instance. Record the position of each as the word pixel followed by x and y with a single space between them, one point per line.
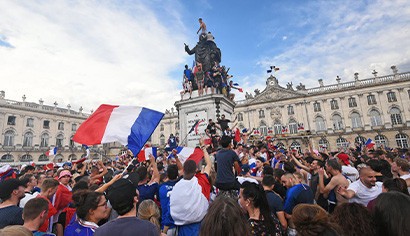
pixel 206 52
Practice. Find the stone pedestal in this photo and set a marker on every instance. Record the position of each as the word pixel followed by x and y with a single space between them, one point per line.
pixel 201 108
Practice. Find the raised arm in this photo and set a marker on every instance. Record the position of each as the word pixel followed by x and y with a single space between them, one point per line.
pixel 155 173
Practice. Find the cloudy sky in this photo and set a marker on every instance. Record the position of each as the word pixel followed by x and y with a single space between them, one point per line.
pixel 86 53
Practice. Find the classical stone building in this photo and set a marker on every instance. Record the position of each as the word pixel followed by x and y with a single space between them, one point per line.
pixel 332 116
pixel 30 129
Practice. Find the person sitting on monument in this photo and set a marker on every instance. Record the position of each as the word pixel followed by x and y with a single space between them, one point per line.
pixel 200 79
pixel 187 88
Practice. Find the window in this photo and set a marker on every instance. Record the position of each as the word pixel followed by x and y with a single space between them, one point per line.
pixel 316 107
pixel 341 142
pixel 161 127
pixel 263 128
pixel 72 157
pixel 295 146
pixel 26 158
pixel 8 138
pixel 59 140
pixel 360 140
pixel 277 128
pixel 290 110
pixel 375 118
pixel 46 124
pixel 371 99
pixel 293 127
pixel 391 97
pixel 320 124
pixel 11 120
pixel 334 105
pixel 177 125
pixel 7 158
pixel 337 122
pixel 356 120
pixel 323 144
pixel 240 117
pixel 60 125
pixel 72 144
pixel 280 145
pixel 43 157
pixel 74 127
pixel 401 140
pixel 162 140
pixel 352 102
pixel 44 140
pixel 408 92
pixel 395 116
pixel 380 140
pixel 28 139
pixel 30 122
pixel 261 114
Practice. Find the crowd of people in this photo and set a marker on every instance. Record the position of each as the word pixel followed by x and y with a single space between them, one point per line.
pixel 238 188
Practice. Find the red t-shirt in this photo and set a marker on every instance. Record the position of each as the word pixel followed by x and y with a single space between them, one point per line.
pixel 205 185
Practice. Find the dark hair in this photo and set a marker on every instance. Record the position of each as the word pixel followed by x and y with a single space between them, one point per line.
pixel 353 219
pixel 312 220
pixel 224 217
pixel 172 172
pixel 225 141
pixel 267 170
pixel 34 207
pixel 396 184
pixel 385 169
pixel 189 168
pixel 320 163
pixel 375 165
pixel 142 172
pixel 84 201
pixel 334 164
pixel 268 180
pixel 289 167
pixel 49 183
pixel 257 196
pixel 391 214
pixel 82 185
pixel 25 179
pixel 277 173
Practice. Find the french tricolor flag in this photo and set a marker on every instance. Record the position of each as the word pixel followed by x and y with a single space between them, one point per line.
pixel 128 125
pixel 188 153
pixel 370 143
pixel 52 152
pixel 144 153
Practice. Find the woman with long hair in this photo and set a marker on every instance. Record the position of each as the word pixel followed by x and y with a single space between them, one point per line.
pixel 91 207
pixel 353 219
pixel 312 220
pixel 224 218
pixel 149 211
pixel 252 199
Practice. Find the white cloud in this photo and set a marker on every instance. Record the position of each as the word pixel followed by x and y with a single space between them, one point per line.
pixel 347 38
pixel 87 53
pixel 284 38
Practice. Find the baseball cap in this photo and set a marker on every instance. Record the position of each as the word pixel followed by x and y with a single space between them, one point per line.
pixel 245 169
pixel 121 195
pixel 7 186
pixel 344 158
pixel 64 173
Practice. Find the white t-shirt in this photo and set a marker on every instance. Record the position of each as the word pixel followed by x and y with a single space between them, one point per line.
pixel 351 173
pixel 26 198
pixel 363 194
pixel 243 179
pixel 405 176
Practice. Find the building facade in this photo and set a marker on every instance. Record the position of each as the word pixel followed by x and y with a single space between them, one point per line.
pixel 30 129
pixel 333 116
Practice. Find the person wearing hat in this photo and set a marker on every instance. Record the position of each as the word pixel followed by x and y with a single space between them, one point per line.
pixel 63 194
pixel 123 198
pixel 11 191
pixel 244 175
pixel 347 170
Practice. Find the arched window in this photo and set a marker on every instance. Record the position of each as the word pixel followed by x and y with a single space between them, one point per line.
pixel 261 114
pixel 360 140
pixel 28 139
pixel 337 122
pixel 59 140
pixel 161 127
pixel 402 141
pixel 72 157
pixel 263 128
pixel 356 120
pixel 295 145
pixel 7 158
pixel 381 140
pixel 280 145
pixel 323 144
pixel 43 157
pixel 395 116
pixel 320 124
pixel 59 157
pixel 375 118
pixel 162 140
pixel 277 127
pixel 240 117
pixel 9 138
pixel 44 140
pixel 293 127
pixel 26 158
pixel 341 142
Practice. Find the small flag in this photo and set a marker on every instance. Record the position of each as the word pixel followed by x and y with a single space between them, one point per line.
pixel 143 155
pixel 188 153
pixel 128 125
pixel 52 152
pixel 272 68
pixel 370 143
pixel 195 126
pixel 87 151
pixel 237 87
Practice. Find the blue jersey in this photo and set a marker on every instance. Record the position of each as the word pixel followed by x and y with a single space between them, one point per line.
pixel 164 196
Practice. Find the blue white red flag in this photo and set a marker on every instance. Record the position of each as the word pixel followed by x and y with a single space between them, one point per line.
pixel 370 143
pixel 128 125
pixel 188 153
pixel 52 152
pixel 143 155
